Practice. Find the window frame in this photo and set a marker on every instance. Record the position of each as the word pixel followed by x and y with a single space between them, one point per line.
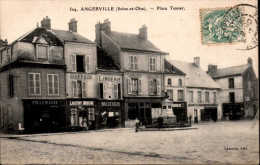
pixel 133 62
pixel 170 90
pixel 199 93
pixel 207 97
pixel 169 80
pixel 231 85
pixel 191 96
pixel 178 95
pixel 34 84
pixel 214 97
pixel 37 51
pixel 152 64
pixel 53 86
pixel 180 82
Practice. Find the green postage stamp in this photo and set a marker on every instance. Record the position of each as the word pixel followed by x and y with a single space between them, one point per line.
pixel 221 26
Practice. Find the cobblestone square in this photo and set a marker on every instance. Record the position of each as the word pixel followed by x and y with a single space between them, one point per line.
pixel 211 143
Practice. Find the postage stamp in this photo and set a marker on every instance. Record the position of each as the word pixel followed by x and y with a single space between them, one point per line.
pixel 230 25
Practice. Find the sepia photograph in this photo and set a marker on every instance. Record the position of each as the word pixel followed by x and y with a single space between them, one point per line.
pixel 129 82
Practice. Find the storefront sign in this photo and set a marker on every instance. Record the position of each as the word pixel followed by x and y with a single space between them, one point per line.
pixel 110 104
pixel 110 78
pixel 47 102
pixel 178 105
pixel 78 76
pixel 81 103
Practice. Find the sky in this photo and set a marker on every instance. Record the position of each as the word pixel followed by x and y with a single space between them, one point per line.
pixel 177 32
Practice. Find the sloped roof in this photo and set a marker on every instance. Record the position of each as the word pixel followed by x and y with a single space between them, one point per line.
pixel 54 36
pixel 195 76
pixel 169 68
pixel 133 42
pixel 230 71
pixel 71 36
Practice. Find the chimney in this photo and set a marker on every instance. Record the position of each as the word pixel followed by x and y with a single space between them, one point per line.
pixel 106 26
pixel 46 23
pixel 6 42
pixel 212 69
pixel 73 25
pixel 250 61
pixel 197 61
pixel 143 32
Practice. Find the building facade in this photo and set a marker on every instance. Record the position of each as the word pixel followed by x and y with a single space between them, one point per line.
pixel 32 86
pixel 174 86
pixel 142 65
pixel 201 92
pixel 238 94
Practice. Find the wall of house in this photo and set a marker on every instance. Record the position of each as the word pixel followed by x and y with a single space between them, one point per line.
pixel 238 89
pixel 12 107
pixel 145 78
pixel 27 51
pixel 81 49
pixel 5 56
pixel 175 85
pixel 109 80
pixel 142 61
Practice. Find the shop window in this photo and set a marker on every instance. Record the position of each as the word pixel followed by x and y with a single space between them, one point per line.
pixel 132 111
pixel 42 51
pixel 231 83
pixel 199 97
pixel 232 97
pixel 169 82
pixel 91 114
pixel 34 84
pixel 152 64
pixel 207 97
pixel 119 91
pixel 180 95
pixel 53 84
pixel 133 62
pixel 170 94
pixel 191 96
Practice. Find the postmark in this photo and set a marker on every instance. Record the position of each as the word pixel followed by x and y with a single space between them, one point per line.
pixel 237 24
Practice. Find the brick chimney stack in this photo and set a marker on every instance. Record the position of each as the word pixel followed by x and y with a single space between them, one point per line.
pixel 212 69
pixel 143 32
pixel 73 25
pixel 46 23
pixel 197 61
pixel 105 27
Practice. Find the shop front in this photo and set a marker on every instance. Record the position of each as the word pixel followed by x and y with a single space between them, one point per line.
pixel 82 114
pixel 44 115
pixel 141 109
pixel 209 113
pixel 111 114
pixel 180 111
pixel 233 111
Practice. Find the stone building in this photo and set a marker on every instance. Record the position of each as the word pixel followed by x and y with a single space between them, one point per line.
pixel 201 92
pixel 174 86
pixel 142 65
pixel 32 86
pixel 239 90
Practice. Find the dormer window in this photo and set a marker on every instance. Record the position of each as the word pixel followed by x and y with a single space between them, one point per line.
pixel 42 51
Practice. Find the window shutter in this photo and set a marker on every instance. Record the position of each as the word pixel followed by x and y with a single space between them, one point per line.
pixel 87 63
pixel 37 84
pixel 129 63
pixel 73 62
pixel 49 82
pixel 115 91
pixel 129 86
pixel 150 86
pixel 135 62
pixel 84 92
pixel 101 89
pixel 56 84
pixel 158 87
pixel 139 87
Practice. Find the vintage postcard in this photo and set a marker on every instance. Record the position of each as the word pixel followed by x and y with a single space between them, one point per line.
pixel 129 82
